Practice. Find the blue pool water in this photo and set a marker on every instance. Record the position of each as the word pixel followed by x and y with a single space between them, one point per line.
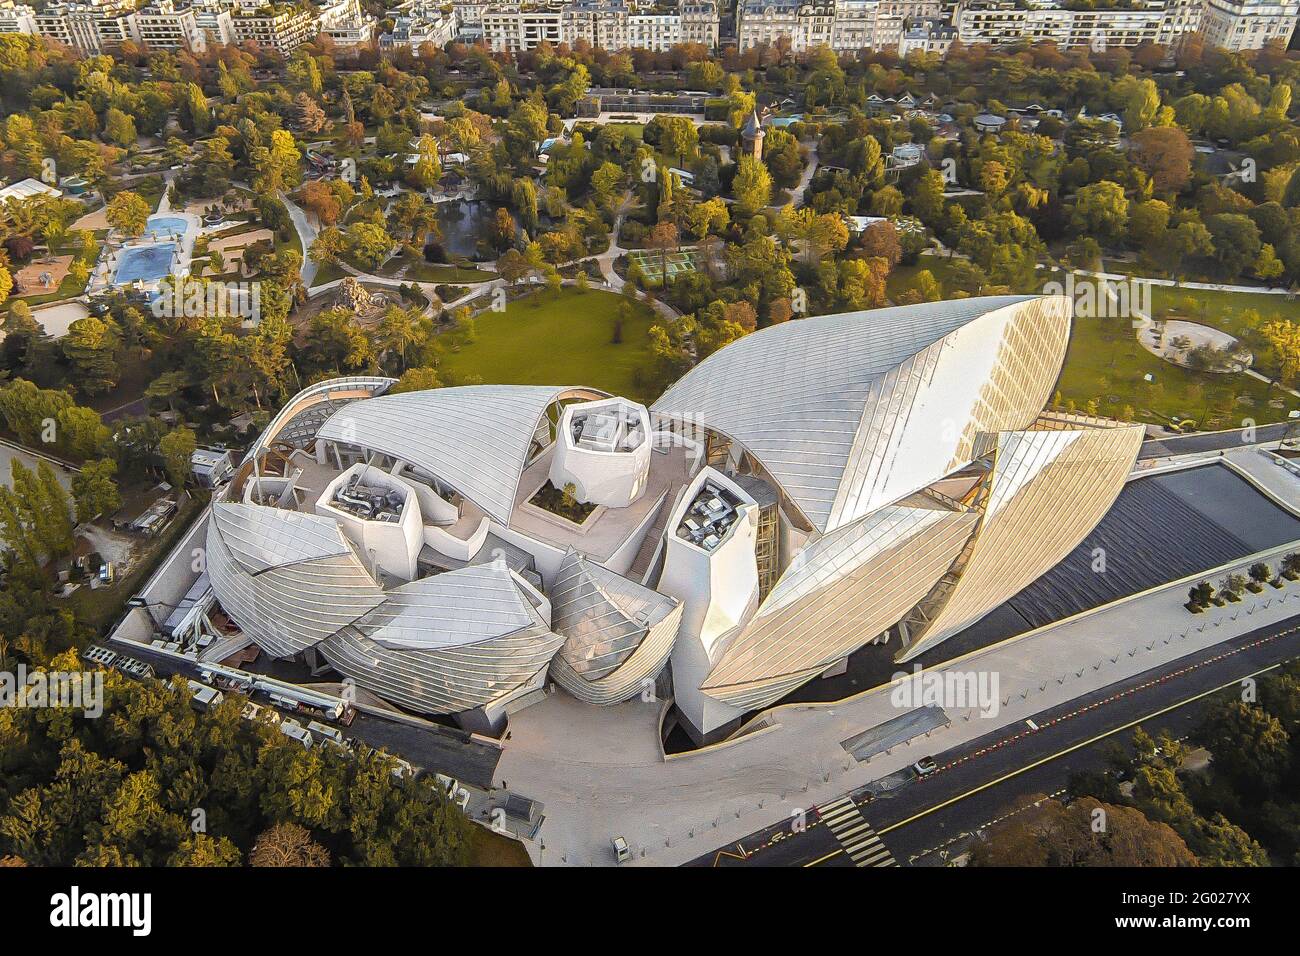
pixel 166 227
pixel 144 263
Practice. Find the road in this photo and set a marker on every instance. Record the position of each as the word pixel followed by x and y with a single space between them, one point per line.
pixel 924 821
pixel 1213 441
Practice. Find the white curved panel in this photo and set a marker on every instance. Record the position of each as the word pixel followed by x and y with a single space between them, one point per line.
pixel 850 412
pixel 290 608
pixel 840 592
pixel 475 438
pixel 1048 491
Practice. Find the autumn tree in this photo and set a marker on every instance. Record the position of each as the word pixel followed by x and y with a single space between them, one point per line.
pixel 1087 832
pixel 127 212
pixel 752 187
pixel 94 491
pixel 1165 154
pixel 288 845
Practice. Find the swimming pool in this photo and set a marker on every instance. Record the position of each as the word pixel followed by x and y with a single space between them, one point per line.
pixel 166 227
pixel 144 263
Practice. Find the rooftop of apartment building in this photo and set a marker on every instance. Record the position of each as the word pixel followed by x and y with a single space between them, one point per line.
pixel 1075 6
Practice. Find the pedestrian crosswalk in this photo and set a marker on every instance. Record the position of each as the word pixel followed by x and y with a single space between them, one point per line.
pixel 859 842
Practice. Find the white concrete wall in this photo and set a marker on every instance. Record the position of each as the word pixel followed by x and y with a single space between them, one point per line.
pixel 718 590
pixel 393 547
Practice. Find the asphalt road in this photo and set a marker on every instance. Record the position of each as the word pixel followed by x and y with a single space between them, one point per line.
pixel 925 821
pixel 1211 441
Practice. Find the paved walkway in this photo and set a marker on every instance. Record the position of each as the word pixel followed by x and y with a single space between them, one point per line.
pixel 1207 286
pixel 809 171
pixel 31 459
pixel 306 236
pixel 1270 381
pixel 165 200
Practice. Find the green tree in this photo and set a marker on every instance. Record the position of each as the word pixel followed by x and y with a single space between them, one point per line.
pixel 1250 747
pixel 176 449
pixel 752 187
pixel 91 346
pixel 94 491
pixel 195 114
pixel 119 128
pixel 35 515
pixel 369 243
pixel 1101 211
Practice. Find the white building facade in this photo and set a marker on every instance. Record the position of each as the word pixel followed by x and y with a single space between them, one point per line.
pixel 17 18
pixel 1248 24
pixel 163 25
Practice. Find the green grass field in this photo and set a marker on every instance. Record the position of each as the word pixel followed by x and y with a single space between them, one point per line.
pixel 1106 363
pixel 1234 312
pixel 564 340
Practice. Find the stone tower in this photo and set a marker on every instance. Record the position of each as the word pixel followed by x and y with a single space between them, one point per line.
pixel 752 137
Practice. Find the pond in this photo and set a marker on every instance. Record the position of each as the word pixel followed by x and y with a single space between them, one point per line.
pixel 463 222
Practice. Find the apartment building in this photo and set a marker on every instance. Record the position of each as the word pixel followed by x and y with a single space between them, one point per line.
pixel 891 22
pixel 1009 21
pixel 608 24
pixel 700 22
pixel 213 18
pixel 433 27
pixel 613 25
pixel 469 19
pixel 282 26
pixel 17 18
pixel 602 24
pixel 803 24
pixel 1248 24
pixel 344 23
pixel 515 27
pixel 845 26
pixel 91 27
pixel 926 35
pixel 163 25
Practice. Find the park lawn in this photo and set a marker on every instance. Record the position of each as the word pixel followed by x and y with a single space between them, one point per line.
pixel 1105 362
pixel 1237 313
pixel 1228 311
pixel 436 272
pixel 327 272
pixel 902 276
pixel 417 270
pixel 557 340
